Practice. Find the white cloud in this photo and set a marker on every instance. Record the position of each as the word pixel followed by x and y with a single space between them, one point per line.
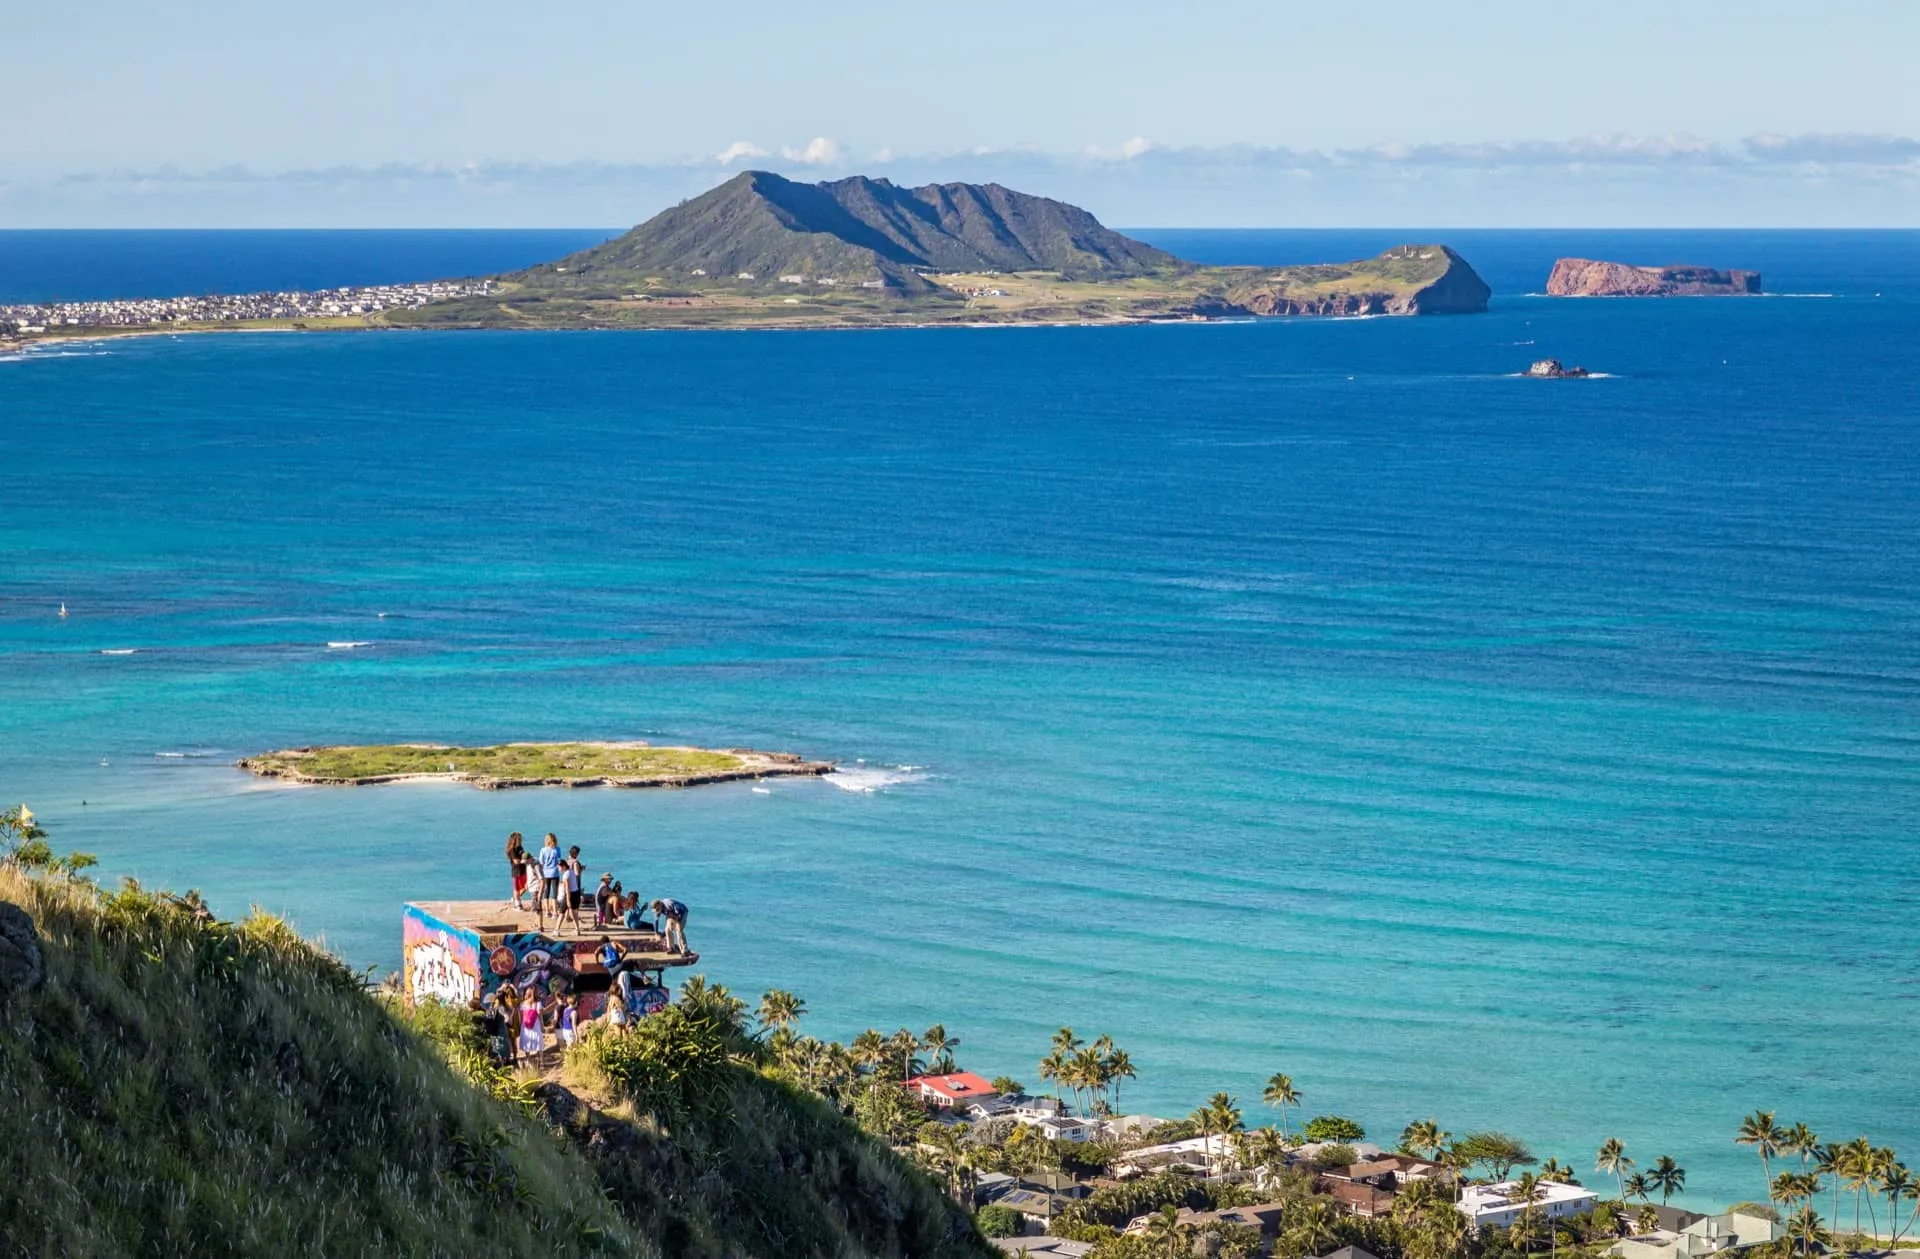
pixel 1137 147
pixel 820 151
pixel 737 150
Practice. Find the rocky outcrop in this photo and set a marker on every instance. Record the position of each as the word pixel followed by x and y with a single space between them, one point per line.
pixel 22 968
pixel 1405 280
pixel 1584 277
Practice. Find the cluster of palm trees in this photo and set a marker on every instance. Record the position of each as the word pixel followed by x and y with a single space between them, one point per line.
pixel 1092 1073
pixel 832 1069
pixel 1665 1175
pixel 1858 1166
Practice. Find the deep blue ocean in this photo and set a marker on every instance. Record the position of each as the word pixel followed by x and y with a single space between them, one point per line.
pixel 1314 696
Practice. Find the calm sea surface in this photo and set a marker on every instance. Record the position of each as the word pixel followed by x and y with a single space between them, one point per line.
pixel 1310 696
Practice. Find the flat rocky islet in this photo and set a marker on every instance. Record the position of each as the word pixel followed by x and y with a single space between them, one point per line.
pixel 528 765
pixel 1587 277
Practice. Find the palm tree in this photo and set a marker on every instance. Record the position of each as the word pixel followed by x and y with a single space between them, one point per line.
pixel 1807 1233
pixel 1556 1171
pixel 902 1048
pixel 1765 1136
pixel 1801 1140
pixel 1423 1136
pixel 869 1050
pixel 1280 1094
pixel 1052 1067
pixel 780 1010
pixel 1224 1112
pixel 1855 1169
pixel 1527 1190
pixel 1647 1219
pixel 1827 1160
pixel 1792 1187
pixel 1266 1148
pixel 1635 1186
pixel 1612 1159
pixel 1173 1238
pixel 1898 1183
pixel 941 1046
pixel 1119 1067
pixel 1668 1176
pixel 950 1156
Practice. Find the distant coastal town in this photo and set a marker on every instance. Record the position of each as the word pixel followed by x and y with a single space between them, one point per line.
pixel 151 312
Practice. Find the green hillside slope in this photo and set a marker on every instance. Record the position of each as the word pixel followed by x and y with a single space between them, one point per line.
pixel 178 1086
pixel 854 230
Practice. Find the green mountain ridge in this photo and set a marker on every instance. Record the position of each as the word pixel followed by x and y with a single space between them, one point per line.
pixel 859 230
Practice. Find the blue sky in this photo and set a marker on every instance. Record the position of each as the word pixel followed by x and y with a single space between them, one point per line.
pixel 1230 113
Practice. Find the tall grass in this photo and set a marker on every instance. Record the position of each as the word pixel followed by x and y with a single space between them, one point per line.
pixel 182 1087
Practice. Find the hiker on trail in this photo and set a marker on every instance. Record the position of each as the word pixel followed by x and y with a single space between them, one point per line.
pixel 509 999
pixel 551 864
pixel 603 902
pixel 670 916
pixel 493 1022
pixel 517 858
pixel 533 1038
pixel 610 955
pixel 571 873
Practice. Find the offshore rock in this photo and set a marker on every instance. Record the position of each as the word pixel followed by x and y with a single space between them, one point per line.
pixel 1584 277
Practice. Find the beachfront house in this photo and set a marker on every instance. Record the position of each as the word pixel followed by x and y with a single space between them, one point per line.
pixel 1044 1247
pixel 1039 1196
pixel 1264 1217
pixel 1058 1127
pixel 953 1091
pixel 1499 1205
pixel 1708 1235
pixel 1195 1154
pixel 1367 1188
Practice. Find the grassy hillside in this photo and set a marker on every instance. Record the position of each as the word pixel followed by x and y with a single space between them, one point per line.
pixel 179 1086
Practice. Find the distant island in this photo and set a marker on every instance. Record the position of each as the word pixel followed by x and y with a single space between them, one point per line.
pixel 1584 277
pixel 528 765
pixel 763 251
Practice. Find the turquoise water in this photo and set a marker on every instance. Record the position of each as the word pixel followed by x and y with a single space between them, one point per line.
pixel 1313 696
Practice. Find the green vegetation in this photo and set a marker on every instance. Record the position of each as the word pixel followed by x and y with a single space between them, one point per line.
pixel 1333 1128
pixel 177 1085
pixel 510 763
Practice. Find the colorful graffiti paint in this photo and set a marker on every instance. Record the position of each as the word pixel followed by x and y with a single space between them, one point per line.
pixel 441 963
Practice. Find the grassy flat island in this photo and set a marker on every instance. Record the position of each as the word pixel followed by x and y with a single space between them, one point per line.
pixel 528 765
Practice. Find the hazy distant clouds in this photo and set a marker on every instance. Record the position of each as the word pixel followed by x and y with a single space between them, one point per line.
pixel 1762 180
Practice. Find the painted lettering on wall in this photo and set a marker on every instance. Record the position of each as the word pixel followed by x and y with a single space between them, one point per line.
pixel 435 971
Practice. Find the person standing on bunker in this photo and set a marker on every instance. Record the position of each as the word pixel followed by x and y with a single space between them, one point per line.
pixel 551 887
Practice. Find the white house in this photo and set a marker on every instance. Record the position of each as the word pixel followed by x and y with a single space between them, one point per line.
pixel 1058 1127
pixel 1497 1206
pixel 1194 1153
pixel 1709 1236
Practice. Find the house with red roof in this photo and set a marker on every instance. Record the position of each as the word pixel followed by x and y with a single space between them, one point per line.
pixel 953 1091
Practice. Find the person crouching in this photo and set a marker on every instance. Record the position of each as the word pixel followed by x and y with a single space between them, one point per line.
pixel 670 918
